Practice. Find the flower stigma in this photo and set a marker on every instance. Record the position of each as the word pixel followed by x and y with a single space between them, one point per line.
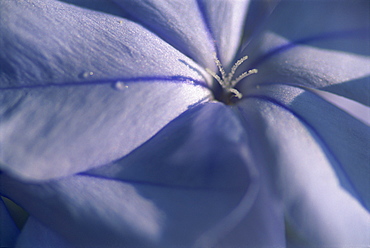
pixel 227 81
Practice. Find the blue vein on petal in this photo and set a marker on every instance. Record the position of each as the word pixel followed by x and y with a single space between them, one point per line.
pixel 318 135
pixel 165 79
pixel 359 33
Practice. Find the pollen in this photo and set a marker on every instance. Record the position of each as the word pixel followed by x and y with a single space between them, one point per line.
pixel 228 81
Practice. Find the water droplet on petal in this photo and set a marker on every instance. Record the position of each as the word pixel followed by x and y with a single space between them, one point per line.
pixel 86 74
pixel 119 85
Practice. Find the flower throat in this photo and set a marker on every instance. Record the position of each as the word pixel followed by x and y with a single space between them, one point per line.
pixel 229 94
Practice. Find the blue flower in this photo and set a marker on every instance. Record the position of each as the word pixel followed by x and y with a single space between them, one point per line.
pixel 113 133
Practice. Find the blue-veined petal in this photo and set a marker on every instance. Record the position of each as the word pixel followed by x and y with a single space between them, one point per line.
pixel 165 160
pixel 345 138
pixel 195 27
pixel 194 183
pixel 49 42
pixel 55 121
pixel 318 162
pixel 302 45
pixel 339 72
pixel 357 110
pixel 208 152
pixel 345 29
pixel 180 23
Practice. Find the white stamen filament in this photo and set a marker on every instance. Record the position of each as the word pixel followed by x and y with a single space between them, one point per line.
pixel 243 75
pixel 225 80
pixel 235 66
pixel 219 80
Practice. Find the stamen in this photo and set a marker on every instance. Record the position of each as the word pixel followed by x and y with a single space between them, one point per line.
pixel 236 93
pixel 243 75
pixel 220 67
pixel 219 80
pixel 235 66
pixel 226 82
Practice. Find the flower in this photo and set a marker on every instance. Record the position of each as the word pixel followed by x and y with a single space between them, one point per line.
pixel 111 134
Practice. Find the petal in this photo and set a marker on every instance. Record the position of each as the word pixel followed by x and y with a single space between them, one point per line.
pixel 168 158
pixel 302 45
pixel 53 132
pixel 225 21
pixel 355 109
pixel 8 230
pixel 34 234
pixel 258 15
pixel 178 22
pixel 345 138
pixel 54 123
pixel 207 149
pixel 98 5
pixel 318 160
pixel 263 226
pixel 306 22
pixel 177 195
pixel 339 72
pixel 85 46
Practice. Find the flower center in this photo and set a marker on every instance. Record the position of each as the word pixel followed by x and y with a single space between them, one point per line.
pixel 227 81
